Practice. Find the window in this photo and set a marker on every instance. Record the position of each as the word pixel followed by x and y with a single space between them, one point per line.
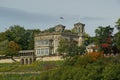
pixel 42 42
pixel 43 51
pixel 46 42
pixel 46 51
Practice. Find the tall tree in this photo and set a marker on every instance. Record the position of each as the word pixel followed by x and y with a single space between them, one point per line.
pixel 3 47
pixel 52 29
pixel 88 39
pixel 117 35
pixel 12 49
pixel 24 38
pixel 9 49
pixel 17 34
pixel 104 38
pixel 63 46
pixel 2 36
pixel 118 24
pixel 70 47
pixel 31 33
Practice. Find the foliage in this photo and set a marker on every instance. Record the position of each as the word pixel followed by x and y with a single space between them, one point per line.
pixel 111 72
pixel 9 48
pixel 3 47
pixel 67 31
pixel 117 40
pixel 75 68
pixel 37 66
pixel 30 36
pixel 63 46
pixel 24 38
pixel 118 24
pixel 95 55
pixel 81 49
pixel 117 35
pixel 84 68
pixel 86 39
pixel 104 38
pixel 12 49
pixel 52 29
pixel 2 36
pixel 19 77
pixel 70 47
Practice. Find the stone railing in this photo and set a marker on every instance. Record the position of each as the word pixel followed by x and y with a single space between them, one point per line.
pixel 111 55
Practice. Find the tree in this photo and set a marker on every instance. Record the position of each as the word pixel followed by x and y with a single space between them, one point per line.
pixel 70 47
pixel 2 36
pixel 104 38
pixel 117 40
pixel 63 46
pixel 31 33
pixel 88 39
pixel 52 29
pixel 67 31
pixel 111 72
pixel 9 49
pixel 3 47
pixel 12 49
pixel 17 34
pixel 118 24
pixel 24 38
pixel 117 35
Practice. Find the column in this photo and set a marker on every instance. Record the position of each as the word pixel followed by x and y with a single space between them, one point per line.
pixel 28 60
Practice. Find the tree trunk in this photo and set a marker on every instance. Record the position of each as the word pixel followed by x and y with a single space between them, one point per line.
pixel 13 59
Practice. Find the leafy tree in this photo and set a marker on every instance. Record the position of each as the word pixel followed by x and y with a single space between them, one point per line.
pixel 67 31
pixel 12 49
pixel 111 72
pixel 63 46
pixel 81 49
pixel 117 39
pixel 17 34
pixel 118 24
pixel 30 36
pixel 52 29
pixel 2 36
pixel 70 47
pixel 24 38
pixel 88 39
pixel 9 49
pixel 117 35
pixel 3 47
pixel 104 38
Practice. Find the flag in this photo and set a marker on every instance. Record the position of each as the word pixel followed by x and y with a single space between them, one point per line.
pixel 61 18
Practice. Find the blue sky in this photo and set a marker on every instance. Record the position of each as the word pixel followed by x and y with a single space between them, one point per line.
pixel 43 14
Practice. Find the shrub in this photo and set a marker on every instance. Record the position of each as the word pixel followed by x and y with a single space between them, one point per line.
pixel 95 55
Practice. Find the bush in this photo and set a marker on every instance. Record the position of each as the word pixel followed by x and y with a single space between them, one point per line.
pixel 111 72
pixel 86 68
pixel 95 55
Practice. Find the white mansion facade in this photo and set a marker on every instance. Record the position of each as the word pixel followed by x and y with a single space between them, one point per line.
pixel 47 43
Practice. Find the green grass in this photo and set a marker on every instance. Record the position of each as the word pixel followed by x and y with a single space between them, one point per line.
pixel 20 77
pixel 37 66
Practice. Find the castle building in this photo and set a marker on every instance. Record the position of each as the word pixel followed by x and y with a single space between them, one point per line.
pixel 47 43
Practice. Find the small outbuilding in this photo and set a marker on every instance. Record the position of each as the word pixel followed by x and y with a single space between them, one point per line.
pixel 91 48
pixel 27 56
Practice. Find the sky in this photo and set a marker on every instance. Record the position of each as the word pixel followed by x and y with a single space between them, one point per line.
pixel 43 14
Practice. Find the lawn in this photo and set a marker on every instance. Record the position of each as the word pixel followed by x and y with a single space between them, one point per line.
pixel 20 77
pixel 37 66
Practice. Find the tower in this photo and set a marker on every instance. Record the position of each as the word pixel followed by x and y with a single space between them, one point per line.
pixel 79 29
pixel 59 28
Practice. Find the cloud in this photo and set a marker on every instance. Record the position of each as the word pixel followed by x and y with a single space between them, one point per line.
pixel 14 15
pixel 89 18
